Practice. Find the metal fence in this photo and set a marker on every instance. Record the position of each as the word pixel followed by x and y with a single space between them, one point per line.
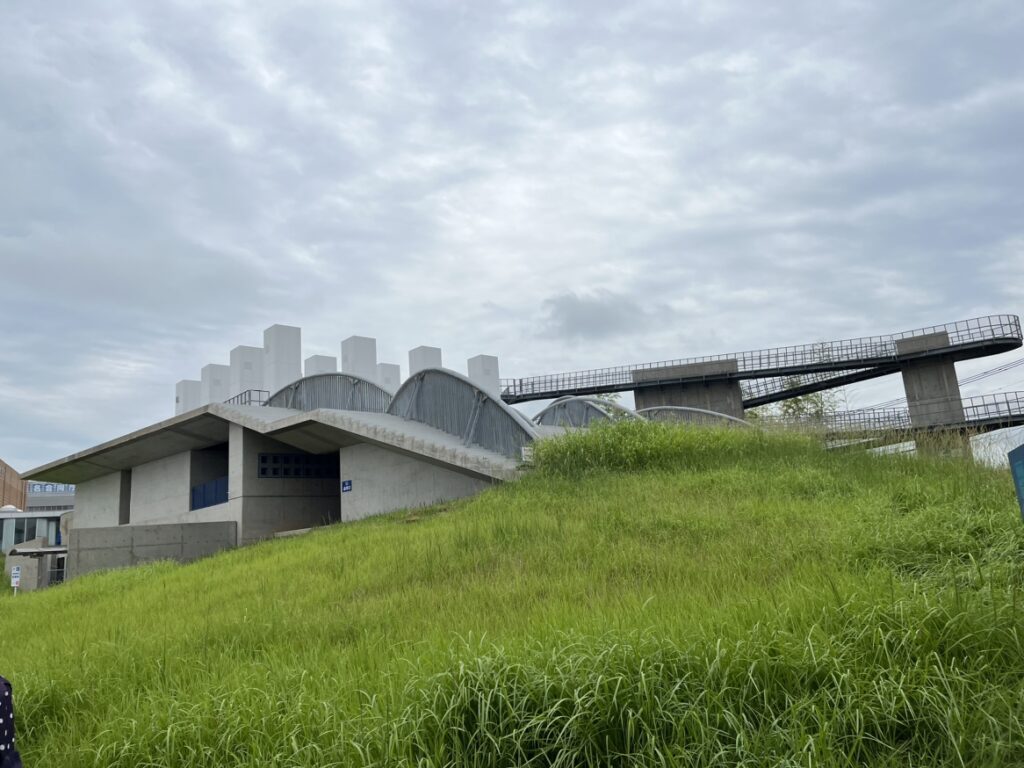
pixel 827 357
pixel 449 402
pixel 249 397
pixel 1002 409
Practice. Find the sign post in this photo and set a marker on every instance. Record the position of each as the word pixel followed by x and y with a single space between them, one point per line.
pixel 15 577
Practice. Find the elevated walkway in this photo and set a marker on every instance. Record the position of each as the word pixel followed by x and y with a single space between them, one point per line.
pixel 770 375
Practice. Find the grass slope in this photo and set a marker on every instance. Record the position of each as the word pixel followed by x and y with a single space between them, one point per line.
pixel 649 595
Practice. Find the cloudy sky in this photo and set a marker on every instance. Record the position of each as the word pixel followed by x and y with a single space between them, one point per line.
pixel 565 185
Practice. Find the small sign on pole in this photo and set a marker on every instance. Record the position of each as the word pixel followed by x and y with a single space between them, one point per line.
pixel 346 486
pixel 15 577
pixel 1016 457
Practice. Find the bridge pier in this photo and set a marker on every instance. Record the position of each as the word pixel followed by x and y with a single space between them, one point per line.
pixel 931 384
pixel 710 388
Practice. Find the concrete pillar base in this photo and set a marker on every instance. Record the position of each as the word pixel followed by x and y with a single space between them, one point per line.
pixel 931 384
pixel 713 391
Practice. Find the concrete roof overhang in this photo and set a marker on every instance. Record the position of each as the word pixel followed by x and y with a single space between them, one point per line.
pixel 190 431
pixel 320 431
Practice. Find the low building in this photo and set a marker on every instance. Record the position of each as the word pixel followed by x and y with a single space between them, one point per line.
pixel 327 448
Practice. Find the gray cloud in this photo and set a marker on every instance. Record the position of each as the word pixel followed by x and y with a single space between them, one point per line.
pixel 178 176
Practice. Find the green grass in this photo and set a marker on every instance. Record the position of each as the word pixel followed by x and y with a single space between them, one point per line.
pixel 648 595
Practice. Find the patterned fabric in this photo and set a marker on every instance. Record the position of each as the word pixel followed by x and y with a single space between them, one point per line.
pixel 8 754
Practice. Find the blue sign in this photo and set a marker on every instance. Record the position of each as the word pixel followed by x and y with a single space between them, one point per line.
pixel 1017 469
pixel 346 486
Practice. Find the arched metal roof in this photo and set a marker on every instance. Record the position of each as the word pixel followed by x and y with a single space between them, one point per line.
pixel 450 402
pixel 339 391
pixel 687 414
pixel 580 411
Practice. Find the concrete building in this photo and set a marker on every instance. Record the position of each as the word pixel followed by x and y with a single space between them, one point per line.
pixel 324 449
pixel 188 395
pixel 359 356
pixel 422 358
pixel 389 376
pixel 12 487
pixel 483 371
pixel 282 361
pixel 320 364
pixel 246 370
pixel 215 384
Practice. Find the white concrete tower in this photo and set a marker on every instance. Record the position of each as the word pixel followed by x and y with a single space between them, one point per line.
pixel 282 356
pixel 423 357
pixel 359 357
pixel 246 369
pixel 187 396
pixel 320 364
pixel 215 384
pixel 483 371
pixel 389 376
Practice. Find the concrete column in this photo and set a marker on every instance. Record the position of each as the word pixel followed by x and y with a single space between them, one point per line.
pixel 707 387
pixel 215 386
pixel 423 357
pixel 187 396
pixel 931 384
pixel 359 357
pixel 321 364
pixel 246 369
pixel 282 356
pixel 389 376
pixel 483 371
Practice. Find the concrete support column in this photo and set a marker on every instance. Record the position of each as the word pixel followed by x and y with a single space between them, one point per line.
pixel 931 384
pixel 707 387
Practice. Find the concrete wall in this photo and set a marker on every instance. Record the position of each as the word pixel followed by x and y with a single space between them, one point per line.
pixel 160 490
pixel 246 369
pixel 717 394
pixel 270 505
pixel 188 395
pixel 35 571
pixel 359 357
pixel 384 481
pixel 389 376
pixel 320 364
pixel 424 357
pixel 98 502
pixel 282 356
pixel 215 385
pixel 12 487
pixel 482 370
pixel 93 549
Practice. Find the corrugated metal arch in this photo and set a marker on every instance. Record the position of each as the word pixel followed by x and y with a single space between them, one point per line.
pixel 450 402
pixel 580 411
pixel 338 391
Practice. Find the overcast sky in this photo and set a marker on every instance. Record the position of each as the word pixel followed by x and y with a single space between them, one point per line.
pixel 565 185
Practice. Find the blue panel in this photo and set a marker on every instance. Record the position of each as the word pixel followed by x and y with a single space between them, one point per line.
pixel 1016 457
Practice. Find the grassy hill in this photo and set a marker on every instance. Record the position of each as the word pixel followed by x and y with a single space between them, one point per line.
pixel 648 595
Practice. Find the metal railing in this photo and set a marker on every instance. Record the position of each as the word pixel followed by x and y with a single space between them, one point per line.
pixel 249 397
pixel 845 355
pixel 1001 409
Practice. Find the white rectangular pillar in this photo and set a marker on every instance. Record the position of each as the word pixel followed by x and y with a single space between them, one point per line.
pixel 389 376
pixel 423 357
pixel 282 356
pixel 317 364
pixel 246 369
pixel 215 384
pixel 187 396
pixel 359 356
pixel 483 371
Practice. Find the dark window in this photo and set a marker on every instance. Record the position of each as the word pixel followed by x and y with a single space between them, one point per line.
pixel 210 493
pixel 298 465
